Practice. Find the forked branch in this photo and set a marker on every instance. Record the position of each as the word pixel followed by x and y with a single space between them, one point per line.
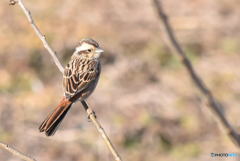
pixel 173 44
pixel 89 111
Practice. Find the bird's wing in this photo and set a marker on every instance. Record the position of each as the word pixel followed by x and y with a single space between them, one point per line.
pixel 79 75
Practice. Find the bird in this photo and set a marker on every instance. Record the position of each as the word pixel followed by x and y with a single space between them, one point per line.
pixel 80 78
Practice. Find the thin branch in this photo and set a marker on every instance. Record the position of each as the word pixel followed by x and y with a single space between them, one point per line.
pixel 89 111
pixel 214 104
pixel 101 130
pixel 38 32
pixel 16 152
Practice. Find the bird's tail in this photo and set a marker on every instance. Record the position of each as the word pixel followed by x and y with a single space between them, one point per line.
pixel 51 123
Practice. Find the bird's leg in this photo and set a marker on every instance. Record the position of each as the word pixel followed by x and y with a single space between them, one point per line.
pixel 89 110
pixel 91 113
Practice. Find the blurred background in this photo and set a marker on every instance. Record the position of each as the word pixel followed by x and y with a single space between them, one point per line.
pixel 145 99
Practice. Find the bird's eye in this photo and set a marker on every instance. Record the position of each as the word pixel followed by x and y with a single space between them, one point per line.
pixel 89 50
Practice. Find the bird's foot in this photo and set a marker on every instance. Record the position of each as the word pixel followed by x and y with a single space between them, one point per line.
pixel 93 114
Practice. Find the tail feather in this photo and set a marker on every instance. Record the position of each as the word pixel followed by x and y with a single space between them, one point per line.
pixel 52 122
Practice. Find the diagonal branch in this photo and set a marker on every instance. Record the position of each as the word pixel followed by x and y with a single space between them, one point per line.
pixel 214 104
pixel 16 152
pixel 89 111
pixel 38 32
pixel 101 130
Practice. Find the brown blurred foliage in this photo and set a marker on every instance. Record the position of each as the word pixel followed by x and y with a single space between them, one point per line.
pixel 145 99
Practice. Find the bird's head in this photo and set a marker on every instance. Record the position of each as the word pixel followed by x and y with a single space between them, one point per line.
pixel 88 49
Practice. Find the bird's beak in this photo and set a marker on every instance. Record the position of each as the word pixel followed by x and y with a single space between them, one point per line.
pixel 99 50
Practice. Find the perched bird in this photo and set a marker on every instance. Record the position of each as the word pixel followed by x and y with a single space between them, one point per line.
pixel 79 80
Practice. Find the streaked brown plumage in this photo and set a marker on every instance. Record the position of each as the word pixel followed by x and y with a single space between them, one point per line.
pixel 79 80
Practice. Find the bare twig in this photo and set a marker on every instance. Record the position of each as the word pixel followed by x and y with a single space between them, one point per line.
pixel 38 32
pixel 89 111
pixel 16 152
pixel 101 130
pixel 214 104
